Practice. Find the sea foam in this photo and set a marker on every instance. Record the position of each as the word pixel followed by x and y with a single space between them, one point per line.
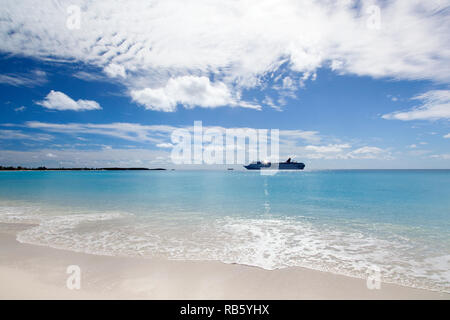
pixel 267 242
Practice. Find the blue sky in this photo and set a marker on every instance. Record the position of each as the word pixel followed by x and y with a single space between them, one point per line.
pixel 108 92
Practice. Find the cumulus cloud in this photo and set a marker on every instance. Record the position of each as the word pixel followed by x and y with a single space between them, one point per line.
pixel 234 43
pixel 435 106
pixel 189 91
pixel 447 136
pixel 57 100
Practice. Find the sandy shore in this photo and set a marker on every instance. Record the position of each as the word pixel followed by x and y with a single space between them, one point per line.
pixel 36 272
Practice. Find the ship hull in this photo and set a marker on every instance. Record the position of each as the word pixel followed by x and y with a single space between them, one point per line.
pixel 276 166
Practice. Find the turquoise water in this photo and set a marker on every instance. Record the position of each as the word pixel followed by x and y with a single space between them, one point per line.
pixel 346 222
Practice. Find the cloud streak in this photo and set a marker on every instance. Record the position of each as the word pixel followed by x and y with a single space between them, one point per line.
pixel 436 105
pixel 303 145
pixel 19 135
pixel 31 79
pixel 292 142
pixel 126 131
pixel 84 158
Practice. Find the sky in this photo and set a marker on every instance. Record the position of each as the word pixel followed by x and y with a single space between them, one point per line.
pixel 348 84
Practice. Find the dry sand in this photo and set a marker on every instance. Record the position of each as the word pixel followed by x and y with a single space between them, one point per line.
pixel 36 272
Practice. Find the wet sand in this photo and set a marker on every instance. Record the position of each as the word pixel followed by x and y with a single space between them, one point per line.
pixel 37 272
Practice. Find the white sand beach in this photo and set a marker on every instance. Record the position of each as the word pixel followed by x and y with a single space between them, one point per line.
pixel 37 272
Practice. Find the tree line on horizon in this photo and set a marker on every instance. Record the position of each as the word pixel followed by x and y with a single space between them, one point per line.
pixel 42 168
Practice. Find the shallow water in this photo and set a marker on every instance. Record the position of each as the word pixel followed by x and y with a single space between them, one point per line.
pixel 346 222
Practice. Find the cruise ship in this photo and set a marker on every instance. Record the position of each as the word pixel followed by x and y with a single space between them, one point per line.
pixel 288 165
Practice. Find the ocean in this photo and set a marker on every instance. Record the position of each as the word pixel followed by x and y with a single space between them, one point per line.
pixel 341 221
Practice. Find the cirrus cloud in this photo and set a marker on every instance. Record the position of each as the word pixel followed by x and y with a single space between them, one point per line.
pixel 19 135
pixel 31 79
pixel 436 105
pixel 369 153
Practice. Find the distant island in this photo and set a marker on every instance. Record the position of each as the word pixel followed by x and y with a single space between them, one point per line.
pixel 19 168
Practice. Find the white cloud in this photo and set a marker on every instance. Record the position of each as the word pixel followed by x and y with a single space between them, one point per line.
pixel 189 91
pixel 418 152
pixel 127 131
pixel 155 134
pixel 331 148
pixel 294 135
pixel 413 146
pixel 436 105
pixel 159 136
pixel 84 158
pixel 288 83
pixel 115 70
pixel 268 101
pixel 234 43
pixel 19 135
pixel 306 76
pixel 342 152
pixel 56 100
pixel 365 150
pixel 369 153
pixel 20 109
pixel 31 79
pixel 447 136
pixel 164 145
pixel 88 76
pixel 445 156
